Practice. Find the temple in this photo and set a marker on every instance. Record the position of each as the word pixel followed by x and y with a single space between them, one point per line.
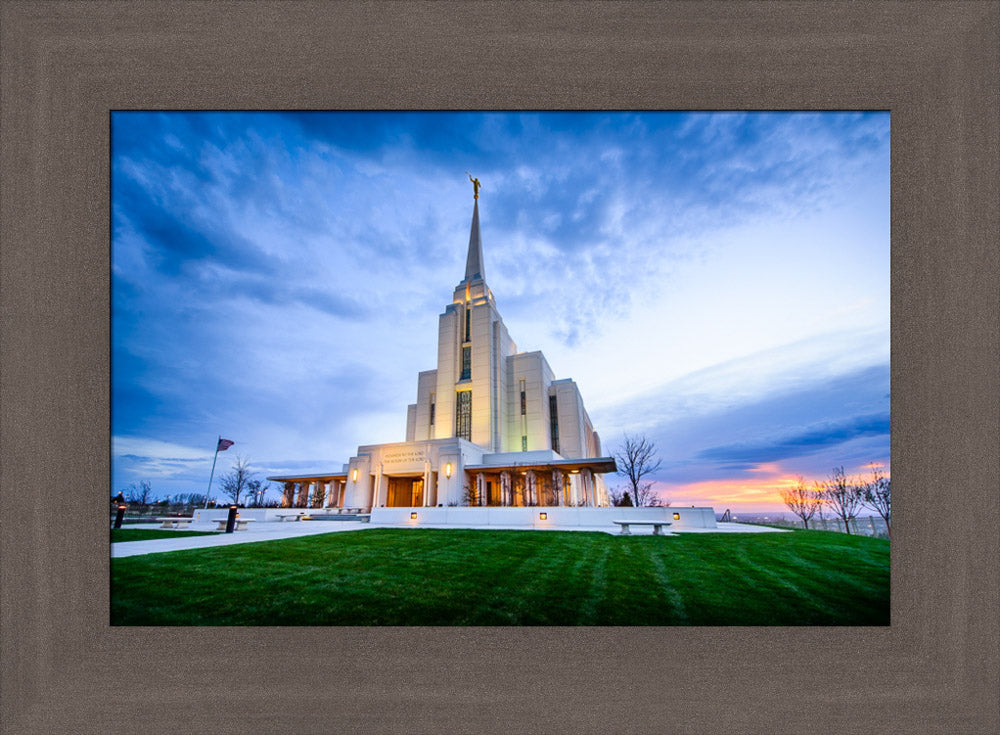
pixel 491 426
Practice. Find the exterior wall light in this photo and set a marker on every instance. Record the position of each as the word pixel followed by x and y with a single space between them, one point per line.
pixel 413 516
pixel 354 475
pixel 543 516
pixel 677 516
pixel 447 470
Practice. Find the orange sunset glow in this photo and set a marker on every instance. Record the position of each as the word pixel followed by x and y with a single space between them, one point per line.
pixel 760 493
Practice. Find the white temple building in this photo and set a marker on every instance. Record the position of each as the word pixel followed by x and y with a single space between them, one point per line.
pixel 491 426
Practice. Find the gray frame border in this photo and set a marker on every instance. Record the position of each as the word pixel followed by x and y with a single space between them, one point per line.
pixel 63 66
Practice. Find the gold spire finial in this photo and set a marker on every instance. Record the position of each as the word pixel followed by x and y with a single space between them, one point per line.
pixel 475 185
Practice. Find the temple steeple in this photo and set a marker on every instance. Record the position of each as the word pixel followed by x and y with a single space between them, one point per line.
pixel 474 262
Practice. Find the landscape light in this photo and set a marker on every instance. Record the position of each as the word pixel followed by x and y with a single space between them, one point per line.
pixel 413 516
pixel 677 516
pixel 543 516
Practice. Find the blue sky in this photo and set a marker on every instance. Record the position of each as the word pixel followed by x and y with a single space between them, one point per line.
pixel 717 281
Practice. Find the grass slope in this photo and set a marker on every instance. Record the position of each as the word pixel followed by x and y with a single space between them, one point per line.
pixel 148 534
pixel 463 577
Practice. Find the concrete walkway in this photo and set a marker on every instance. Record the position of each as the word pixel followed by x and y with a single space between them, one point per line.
pixel 259 531
pixel 275 530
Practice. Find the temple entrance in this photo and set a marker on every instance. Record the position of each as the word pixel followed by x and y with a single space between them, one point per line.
pixel 405 492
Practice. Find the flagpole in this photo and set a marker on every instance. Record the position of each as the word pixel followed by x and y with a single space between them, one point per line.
pixel 212 476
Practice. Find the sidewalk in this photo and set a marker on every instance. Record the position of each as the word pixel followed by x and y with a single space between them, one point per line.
pixel 260 531
pixel 274 530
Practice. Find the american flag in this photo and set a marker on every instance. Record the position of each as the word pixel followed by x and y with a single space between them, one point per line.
pixel 224 444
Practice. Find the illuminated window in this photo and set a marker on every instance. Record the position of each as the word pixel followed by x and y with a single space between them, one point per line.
pixel 468 321
pixel 554 423
pixel 466 363
pixel 463 415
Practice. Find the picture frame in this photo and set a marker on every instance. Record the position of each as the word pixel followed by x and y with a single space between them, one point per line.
pixel 67 65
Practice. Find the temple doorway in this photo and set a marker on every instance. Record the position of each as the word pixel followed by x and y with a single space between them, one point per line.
pixel 405 492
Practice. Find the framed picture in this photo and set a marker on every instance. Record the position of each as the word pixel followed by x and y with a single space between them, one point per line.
pixel 66 67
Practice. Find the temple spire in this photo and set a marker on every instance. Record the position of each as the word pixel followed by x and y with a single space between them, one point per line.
pixel 474 262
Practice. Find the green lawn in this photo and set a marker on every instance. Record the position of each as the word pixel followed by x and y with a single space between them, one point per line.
pixel 465 577
pixel 148 534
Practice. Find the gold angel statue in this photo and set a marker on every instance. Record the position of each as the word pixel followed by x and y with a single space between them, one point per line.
pixel 475 185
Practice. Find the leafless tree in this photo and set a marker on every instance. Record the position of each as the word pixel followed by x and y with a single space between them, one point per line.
pixel 802 501
pixel 470 494
pixel 140 493
pixel 842 497
pixel 875 495
pixel 235 483
pixel 636 459
pixel 619 497
pixel 256 490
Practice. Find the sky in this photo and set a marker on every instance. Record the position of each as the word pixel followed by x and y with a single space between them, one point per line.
pixel 717 282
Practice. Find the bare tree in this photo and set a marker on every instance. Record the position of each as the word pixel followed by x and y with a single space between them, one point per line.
pixel 636 459
pixel 875 495
pixel 236 482
pixel 802 501
pixel 843 497
pixel 470 494
pixel 256 490
pixel 619 497
pixel 140 493
pixel 820 511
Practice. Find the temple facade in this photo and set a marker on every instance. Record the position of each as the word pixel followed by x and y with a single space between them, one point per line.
pixel 491 426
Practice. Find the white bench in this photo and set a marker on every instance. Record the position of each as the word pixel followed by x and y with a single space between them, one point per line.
pixel 657 526
pixel 175 522
pixel 283 516
pixel 241 523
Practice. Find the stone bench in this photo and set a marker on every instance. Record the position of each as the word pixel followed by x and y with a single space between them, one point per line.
pixel 283 516
pixel 175 522
pixel 657 526
pixel 241 523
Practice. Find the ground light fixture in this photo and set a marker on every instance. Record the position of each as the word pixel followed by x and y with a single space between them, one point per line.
pixel 413 516
pixel 677 516
pixel 543 516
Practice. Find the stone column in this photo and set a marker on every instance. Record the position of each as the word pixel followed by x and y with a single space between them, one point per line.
pixel 377 492
pixel 319 497
pixel 530 489
pixel 505 498
pixel 588 484
pixel 289 495
pixel 427 484
pixel 481 488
